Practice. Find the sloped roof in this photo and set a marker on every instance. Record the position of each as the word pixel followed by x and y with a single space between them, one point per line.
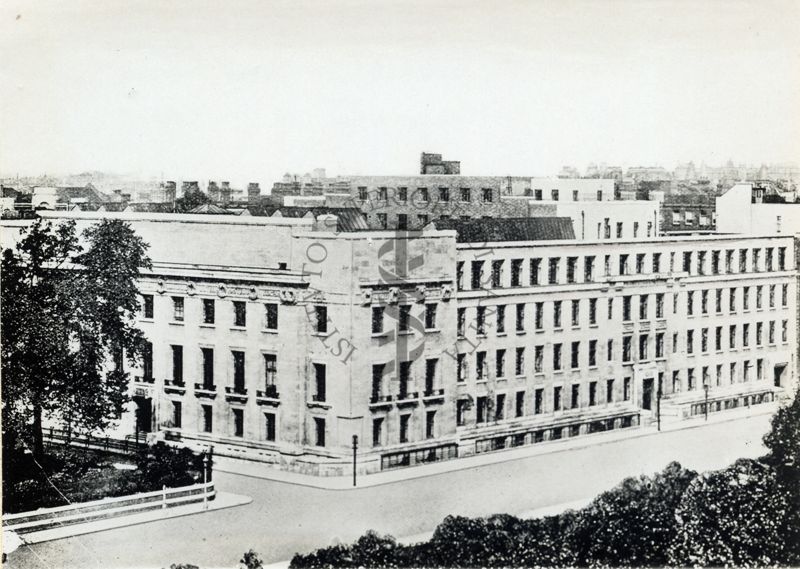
pixel 349 218
pixel 209 208
pixel 486 230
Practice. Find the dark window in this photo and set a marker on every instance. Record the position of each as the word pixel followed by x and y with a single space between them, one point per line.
pixel 520 320
pixel 444 194
pixel 402 221
pixel 516 272
pixel 239 313
pixel 177 364
pixel 557 398
pixel 430 424
pixel 430 316
pixel 377 319
pixel 609 391
pixel 477 274
pixel 497 273
pixel 238 371
pixel 208 311
pixel 377 431
pixel 208 367
pixel 269 426
pixel 322 319
pixel 465 195
pixel 487 194
pixel 177 414
pixel 430 375
pixel 500 407
pixel 271 316
pixel 538 399
pixel 147 305
pixel 319 429
pixel 536 265
pixel 147 361
pixel 238 422
pixel 404 422
pixel 501 319
pixel 592 393
pixel 320 374
pixel 405 317
pixel 208 418
pixel 270 370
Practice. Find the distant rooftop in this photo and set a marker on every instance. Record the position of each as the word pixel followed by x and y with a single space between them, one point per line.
pixel 508 229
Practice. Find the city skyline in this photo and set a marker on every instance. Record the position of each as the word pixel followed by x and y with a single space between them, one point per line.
pixel 195 91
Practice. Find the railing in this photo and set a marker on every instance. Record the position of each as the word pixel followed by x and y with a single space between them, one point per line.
pixel 145 379
pixel 205 387
pixel 129 444
pixel 379 399
pixel 48 518
pixel 433 393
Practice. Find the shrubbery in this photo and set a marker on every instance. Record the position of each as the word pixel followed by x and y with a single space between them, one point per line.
pixel 745 515
pixel 83 476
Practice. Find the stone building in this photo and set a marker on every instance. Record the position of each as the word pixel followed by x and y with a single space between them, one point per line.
pixel 291 335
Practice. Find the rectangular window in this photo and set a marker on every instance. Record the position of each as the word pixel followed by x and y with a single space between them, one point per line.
pixel 405 379
pixel 575 355
pixel 404 319
pixel 732 300
pixel 704 340
pixel 480 366
pixel 466 195
pixel 147 305
pixel 785 331
pixel 732 336
pixel 538 401
pixel 460 275
pixel 520 317
pixel 383 222
pixel 147 362
pixel 552 274
pixel 238 422
pixel 656 263
pixel 575 399
pixel 377 319
pixel 402 195
pixel 500 407
pixel 461 364
pixel 430 424
pixel 431 372
pixel 539 315
pixel 756 258
pixel 319 431
pixel 718 338
pixel 576 305
pixel 271 316
pixel 610 308
pixel 177 365
pixel 729 261
pixel 482 414
pixel 639 263
pixel 557 314
pixel 610 350
pixel 402 221
pixel 643 307
pixel 588 269
pixel 784 295
pixel 177 308
pixel 480 321
pixel 423 219
pixel 759 333
pixel 592 353
pixel 538 364
pixel 536 265
pixel 718 300
pixel 704 302
pixel 519 361
pixel 487 195
pixel 742 260
pixel 572 265
pixel 497 273
pixel 239 313
pixel 430 316
pixel 320 382
pixel 746 298
pixel 772 296
pixel 626 389
pixel 554 195
pixel 626 308
pixel 557 398
pixel 660 344
pixel 556 357
pixel 322 319
pixel 745 335
pixel 461 322
pixel 701 262
pixel 626 348
pixel 609 391
pixel 208 367
pixel 690 341
pixel 444 194
pixel 477 274
pixel 623 264
pixel 619 230
pixel 643 347
pixel 660 305
pixel 501 318
pixel 461 412
pixel 177 414
pixel 592 393
pixel 690 303
pixel 715 262
pixel 574 195
pixel 592 311
pixel 782 258
pixel 516 272
pixel 208 418
pixel 238 371
pixel 519 407
pixel 362 193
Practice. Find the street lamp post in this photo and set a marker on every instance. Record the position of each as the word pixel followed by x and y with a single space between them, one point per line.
pixel 705 406
pixel 355 448
pixel 658 406
pixel 205 480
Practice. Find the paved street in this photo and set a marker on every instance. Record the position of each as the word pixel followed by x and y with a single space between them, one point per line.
pixel 284 518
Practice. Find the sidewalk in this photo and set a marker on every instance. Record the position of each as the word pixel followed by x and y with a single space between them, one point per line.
pixel 265 471
pixel 222 500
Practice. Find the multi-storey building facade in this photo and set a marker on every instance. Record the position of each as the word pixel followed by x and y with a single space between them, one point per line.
pixel 283 339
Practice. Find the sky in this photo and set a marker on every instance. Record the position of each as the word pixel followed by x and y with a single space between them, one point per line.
pixel 247 90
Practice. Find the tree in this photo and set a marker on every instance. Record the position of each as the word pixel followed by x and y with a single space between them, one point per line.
pixel 632 524
pixel 68 324
pixel 191 200
pixel 731 517
pixel 783 442
pixel 251 560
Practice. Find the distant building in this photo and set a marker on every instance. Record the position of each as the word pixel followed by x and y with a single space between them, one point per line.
pixel 434 165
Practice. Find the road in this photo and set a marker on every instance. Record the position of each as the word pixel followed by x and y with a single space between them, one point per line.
pixel 285 518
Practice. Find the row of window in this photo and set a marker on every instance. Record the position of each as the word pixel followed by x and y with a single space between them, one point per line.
pixel 400 195
pixel 406 379
pixel 406 322
pixel 209 311
pixel 405 428
pixel 737 372
pixel 736 333
pixel 236 427
pixel 551 270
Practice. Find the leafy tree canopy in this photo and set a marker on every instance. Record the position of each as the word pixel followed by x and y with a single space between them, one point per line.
pixel 68 313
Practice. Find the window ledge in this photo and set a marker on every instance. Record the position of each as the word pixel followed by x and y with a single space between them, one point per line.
pixel 205 325
pixel 239 328
pixel 502 334
pixel 177 323
pixel 143 319
pixel 269 330
pixel 433 330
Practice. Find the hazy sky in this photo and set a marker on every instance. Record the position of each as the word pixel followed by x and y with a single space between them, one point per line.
pixel 248 90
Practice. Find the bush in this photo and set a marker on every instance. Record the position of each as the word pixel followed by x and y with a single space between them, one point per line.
pixel 731 517
pixel 633 524
pixel 162 465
